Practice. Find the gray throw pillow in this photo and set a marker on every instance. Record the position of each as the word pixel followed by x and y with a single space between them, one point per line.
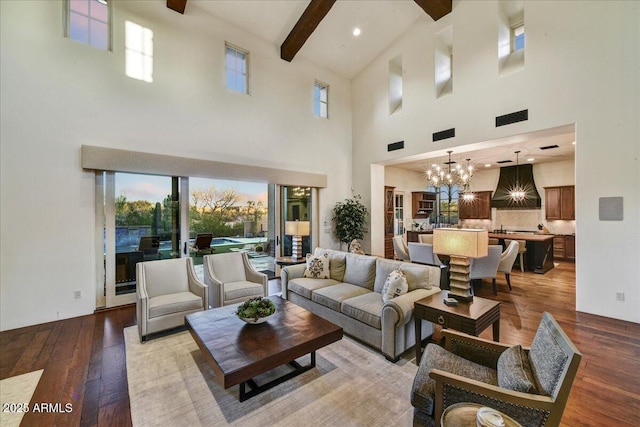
pixel 514 371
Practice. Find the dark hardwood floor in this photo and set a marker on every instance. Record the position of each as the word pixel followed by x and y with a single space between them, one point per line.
pixel 84 358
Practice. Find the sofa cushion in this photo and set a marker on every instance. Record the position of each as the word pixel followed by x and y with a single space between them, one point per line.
pixel 174 303
pixel 419 276
pixel 435 357
pixel 332 296
pixel 242 289
pixel 360 270
pixel 395 285
pixel 547 359
pixel 383 268
pixel 337 262
pixel 304 286
pixel 366 308
pixel 514 371
pixel 317 266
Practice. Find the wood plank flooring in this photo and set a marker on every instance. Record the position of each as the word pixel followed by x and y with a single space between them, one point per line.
pixel 84 358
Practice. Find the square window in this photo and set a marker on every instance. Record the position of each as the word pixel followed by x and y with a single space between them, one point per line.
pixel 321 99
pixel 236 69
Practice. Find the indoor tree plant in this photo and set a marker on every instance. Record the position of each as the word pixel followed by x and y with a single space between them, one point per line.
pixel 350 219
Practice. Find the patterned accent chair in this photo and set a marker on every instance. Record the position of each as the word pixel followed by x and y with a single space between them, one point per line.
pixel 232 279
pixel 531 385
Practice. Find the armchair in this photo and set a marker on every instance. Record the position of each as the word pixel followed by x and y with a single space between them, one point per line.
pixel 507 259
pixel 167 290
pixel 232 279
pixel 400 248
pixel 150 247
pixel 202 244
pixel 486 267
pixel 472 369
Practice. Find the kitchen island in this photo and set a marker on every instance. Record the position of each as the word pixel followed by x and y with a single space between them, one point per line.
pixel 539 256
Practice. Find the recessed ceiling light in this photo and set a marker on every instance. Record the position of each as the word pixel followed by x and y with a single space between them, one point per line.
pixel 356 31
pixel 530 159
pixel 487 165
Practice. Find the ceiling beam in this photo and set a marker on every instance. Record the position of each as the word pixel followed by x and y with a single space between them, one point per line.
pixel 308 22
pixel 435 8
pixel 177 5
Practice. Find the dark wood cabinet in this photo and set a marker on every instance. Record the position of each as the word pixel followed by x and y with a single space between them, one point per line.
pixel 412 236
pixel 388 221
pixel 478 208
pixel 423 203
pixel 564 248
pixel 560 203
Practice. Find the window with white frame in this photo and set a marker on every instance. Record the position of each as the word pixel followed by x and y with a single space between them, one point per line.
pixel 88 22
pixel 321 99
pixel 517 37
pixel 138 52
pixel 237 68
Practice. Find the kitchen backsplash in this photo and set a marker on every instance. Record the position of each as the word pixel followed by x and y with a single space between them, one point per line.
pixel 520 220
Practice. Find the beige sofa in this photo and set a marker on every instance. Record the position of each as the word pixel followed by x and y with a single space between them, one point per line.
pixel 352 298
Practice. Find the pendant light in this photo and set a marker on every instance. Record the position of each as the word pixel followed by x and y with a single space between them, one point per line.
pixel 517 194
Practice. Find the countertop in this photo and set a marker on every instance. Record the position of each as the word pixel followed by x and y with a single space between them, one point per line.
pixel 523 236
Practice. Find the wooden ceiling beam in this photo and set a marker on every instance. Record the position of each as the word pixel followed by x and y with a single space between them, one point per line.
pixel 177 5
pixel 306 25
pixel 435 8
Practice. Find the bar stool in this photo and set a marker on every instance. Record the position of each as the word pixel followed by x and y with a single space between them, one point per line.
pixel 522 250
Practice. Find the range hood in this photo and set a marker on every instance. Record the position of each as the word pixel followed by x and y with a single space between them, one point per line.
pixel 509 176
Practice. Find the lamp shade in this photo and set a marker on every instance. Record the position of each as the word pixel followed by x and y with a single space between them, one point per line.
pixel 461 242
pixel 296 228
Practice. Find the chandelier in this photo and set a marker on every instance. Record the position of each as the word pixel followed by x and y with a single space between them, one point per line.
pixel 438 176
pixel 517 193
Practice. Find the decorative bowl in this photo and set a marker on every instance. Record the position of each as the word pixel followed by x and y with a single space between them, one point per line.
pixel 256 310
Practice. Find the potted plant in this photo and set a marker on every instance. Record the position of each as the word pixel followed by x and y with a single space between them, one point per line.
pixel 350 219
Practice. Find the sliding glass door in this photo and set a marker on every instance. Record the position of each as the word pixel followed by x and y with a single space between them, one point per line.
pixel 295 205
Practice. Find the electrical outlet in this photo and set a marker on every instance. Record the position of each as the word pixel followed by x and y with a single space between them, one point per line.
pixel 619 296
pixel 77 294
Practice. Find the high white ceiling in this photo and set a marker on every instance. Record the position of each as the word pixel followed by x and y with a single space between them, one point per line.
pixel 332 44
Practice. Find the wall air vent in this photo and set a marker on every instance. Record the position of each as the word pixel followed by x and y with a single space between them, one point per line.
pixel 504 161
pixel 507 119
pixel 549 147
pixel 443 134
pixel 395 146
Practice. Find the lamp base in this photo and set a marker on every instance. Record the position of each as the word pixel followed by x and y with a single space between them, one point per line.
pixel 296 247
pixel 462 298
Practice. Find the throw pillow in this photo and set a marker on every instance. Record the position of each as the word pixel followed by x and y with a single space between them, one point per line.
pixel 396 284
pixel 514 371
pixel 317 267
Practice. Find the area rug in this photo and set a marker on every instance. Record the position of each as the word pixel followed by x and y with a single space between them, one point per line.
pixel 170 383
pixel 15 395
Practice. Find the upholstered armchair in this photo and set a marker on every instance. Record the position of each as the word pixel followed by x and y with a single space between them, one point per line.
pixel 167 290
pixel 531 385
pixel 486 267
pixel 400 248
pixel 422 253
pixel 232 279
pixel 507 259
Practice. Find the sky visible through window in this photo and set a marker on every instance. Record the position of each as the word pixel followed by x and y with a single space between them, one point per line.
pixel 89 22
pixel 320 100
pixel 236 69
pixel 518 36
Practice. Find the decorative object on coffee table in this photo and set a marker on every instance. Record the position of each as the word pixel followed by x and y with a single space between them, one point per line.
pixel 256 310
pixel 460 244
pixel 296 229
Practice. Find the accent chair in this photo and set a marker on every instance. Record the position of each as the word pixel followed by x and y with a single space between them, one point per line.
pixel 167 290
pixel 507 259
pixel 400 248
pixel 486 267
pixel 422 253
pixel 232 279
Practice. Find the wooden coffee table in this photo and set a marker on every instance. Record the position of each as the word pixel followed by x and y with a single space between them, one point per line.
pixel 468 317
pixel 238 352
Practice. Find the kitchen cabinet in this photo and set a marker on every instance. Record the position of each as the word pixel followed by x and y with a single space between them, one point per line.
pixel 412 236
pixel 478 208
pixel 560 203
pixel 388 221
pixel 564 248
pixel 423 203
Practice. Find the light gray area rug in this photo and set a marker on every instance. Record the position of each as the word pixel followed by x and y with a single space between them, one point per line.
pixel 15 395
pixel 170 383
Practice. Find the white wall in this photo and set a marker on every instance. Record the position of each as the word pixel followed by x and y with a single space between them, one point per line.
pixel 58 94
pixel 572 74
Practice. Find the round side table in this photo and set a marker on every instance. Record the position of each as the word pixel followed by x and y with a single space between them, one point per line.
pixel 287 260
pixel 464 415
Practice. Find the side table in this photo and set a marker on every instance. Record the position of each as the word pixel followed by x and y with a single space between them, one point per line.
pixel 464 414
pixel 283 261
pixel 468 317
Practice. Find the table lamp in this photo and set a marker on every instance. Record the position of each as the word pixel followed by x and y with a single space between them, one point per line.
pixel 296 229
pixel 460 244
